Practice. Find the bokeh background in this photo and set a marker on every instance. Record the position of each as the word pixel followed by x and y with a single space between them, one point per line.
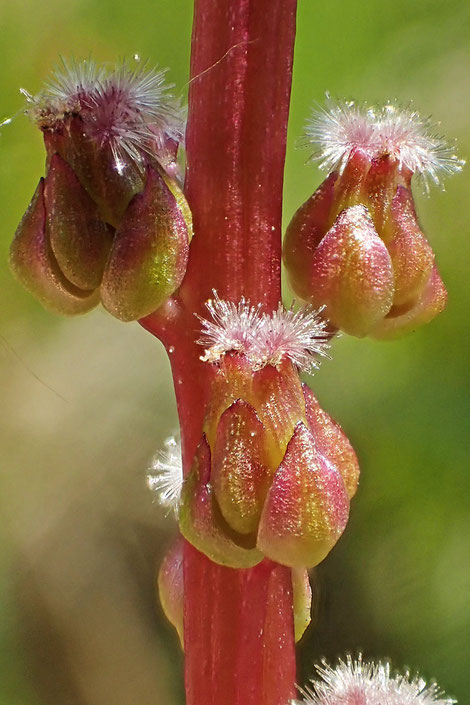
pixel 86 402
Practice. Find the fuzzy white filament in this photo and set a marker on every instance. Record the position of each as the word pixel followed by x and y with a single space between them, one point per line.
pixel 358 682
pixel 128 107
pixel 165 477
pixel 233 327
pixel 265 339
pixel 338 128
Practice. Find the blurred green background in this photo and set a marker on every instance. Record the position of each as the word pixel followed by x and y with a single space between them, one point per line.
pixel 86 402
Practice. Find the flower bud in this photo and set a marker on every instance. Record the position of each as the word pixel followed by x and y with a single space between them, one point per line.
pixel 116 220
pixel 170 585
pixel 270 474
pixel 307 506
pixel 343 265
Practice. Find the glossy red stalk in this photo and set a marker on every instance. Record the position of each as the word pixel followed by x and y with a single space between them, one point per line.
pixel 238 624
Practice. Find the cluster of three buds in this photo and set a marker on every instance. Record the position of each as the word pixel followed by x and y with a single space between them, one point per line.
pixel 109 222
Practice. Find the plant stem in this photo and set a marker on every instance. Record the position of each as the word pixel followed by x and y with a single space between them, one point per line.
pixel 238 625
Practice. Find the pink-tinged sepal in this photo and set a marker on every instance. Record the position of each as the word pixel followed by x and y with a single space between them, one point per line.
pixel 279 402
pixel 411 254
pixel 332 442
pixel 240 476
pixel 406 319
pixel 349 188
pixel 34 265
pixel 149 254
pixel 231 380
pixel 274 392
pixel 379 189
pixel 303 234
pixel 372 154
pixel 80 240
pixel 94 164
pixel 307 507
pixel 352 274
pixel 202 523
pixel 302 601
pixel 170 585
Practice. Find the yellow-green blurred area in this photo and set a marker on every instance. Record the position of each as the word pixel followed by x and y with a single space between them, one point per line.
pixel 87 401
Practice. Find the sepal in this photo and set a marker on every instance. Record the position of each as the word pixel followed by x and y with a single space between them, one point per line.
pixel 307 506
pixel 304 233
pixel 332 442
pixel 79 239
pixel 171 586
pixel 149 254
pixel 412 256
pixel 302 601
pixel 200 522
pixel 352 274
pixel 34 265
pixel 240 476
pixel 402 320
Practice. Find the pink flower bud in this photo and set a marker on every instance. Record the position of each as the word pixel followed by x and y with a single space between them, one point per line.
pixel 116 220
pixel 351 273
pixel 307 506
pixel 273 472
pixel 372 154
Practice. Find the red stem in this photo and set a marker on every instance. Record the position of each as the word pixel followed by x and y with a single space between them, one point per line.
pixel 238 625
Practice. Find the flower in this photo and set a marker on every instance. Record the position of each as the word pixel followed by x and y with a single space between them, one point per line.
pixel 343 126
pixel 109 221
pixel 273 474
pixel 356 247
pixel 358 682
pixel 165 476
pixel 265 339
pixel 127 107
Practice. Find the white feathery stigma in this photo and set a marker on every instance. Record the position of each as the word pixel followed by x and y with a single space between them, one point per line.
pixel 336 129
pixel 165 476
pixel 128 107
pixel 358 682
pixel 233 327
pixel 341 126
pixel 265 339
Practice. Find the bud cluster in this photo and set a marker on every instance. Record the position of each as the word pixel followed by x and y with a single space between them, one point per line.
pixel 109 221
pixel 273 474
pixel 356 246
